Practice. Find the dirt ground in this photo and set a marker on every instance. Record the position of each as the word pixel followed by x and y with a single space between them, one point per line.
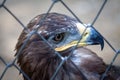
pixel 108 25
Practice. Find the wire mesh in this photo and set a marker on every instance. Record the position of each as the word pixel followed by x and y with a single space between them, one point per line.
pixel 63 59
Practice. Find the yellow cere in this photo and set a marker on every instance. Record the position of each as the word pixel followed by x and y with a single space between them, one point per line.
pixel 71 44
pixel 81 28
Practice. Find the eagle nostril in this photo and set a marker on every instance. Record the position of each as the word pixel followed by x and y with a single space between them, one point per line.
pixel 86 33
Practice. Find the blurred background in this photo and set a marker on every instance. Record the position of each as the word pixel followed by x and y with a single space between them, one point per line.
pixel 108 24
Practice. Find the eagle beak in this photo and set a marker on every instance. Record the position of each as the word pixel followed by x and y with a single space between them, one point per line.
pixel 89 37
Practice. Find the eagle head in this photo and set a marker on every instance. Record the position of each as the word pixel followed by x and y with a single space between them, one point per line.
pixel 64 32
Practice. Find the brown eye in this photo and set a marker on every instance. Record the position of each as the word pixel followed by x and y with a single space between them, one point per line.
pixel 59 37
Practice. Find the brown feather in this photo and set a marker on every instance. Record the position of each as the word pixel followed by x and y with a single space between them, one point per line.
pixel 39 62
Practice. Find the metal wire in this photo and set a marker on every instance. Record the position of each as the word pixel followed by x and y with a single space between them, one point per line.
pixel 63 59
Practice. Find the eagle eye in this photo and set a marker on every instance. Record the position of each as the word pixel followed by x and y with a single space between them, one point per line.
pixel 58 37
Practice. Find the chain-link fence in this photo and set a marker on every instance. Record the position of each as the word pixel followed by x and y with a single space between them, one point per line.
pixel 63 59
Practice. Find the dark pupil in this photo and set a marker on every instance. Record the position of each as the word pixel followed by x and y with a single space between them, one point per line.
pixel 58 37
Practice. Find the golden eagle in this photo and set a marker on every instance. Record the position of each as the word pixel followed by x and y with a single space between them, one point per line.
pixel 39 61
